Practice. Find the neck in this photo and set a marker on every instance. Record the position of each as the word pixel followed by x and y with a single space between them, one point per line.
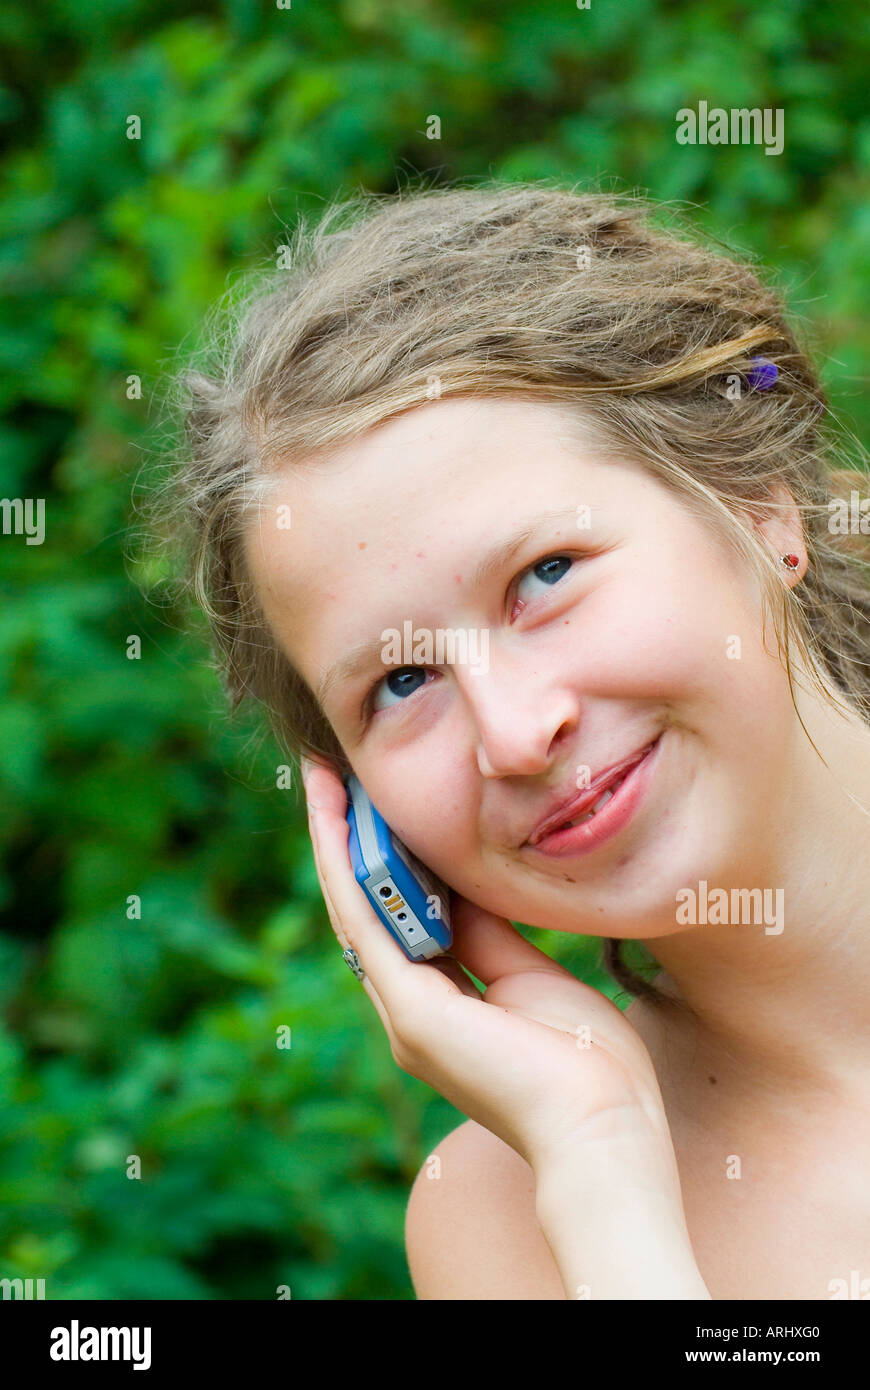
pixel 789 1009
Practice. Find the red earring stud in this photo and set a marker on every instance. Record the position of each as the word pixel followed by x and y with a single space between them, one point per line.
pixel 791 562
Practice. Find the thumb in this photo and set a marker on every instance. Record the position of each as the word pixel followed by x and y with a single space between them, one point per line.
pixel 490 946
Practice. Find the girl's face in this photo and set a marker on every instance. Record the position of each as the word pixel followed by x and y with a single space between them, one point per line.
pixel 600 617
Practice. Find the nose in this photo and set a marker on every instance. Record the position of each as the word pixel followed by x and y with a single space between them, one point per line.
pixel 520 725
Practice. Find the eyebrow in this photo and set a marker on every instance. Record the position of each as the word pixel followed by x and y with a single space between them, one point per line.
pixel 363 653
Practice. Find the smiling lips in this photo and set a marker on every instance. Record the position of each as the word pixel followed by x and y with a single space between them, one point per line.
pixel 592 799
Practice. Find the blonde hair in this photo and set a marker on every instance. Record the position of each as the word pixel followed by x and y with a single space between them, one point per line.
pixel 533 292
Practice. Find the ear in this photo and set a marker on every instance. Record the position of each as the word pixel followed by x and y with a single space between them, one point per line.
pixel 779 525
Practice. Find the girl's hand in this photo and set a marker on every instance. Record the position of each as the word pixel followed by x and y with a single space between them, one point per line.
pixel 541 1060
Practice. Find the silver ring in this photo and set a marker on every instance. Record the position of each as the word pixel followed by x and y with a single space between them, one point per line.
pixel 353 961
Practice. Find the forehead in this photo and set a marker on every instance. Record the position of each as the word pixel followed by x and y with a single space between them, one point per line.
pixel 430 462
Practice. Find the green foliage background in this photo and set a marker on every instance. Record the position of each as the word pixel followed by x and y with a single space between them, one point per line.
pixel 156 1037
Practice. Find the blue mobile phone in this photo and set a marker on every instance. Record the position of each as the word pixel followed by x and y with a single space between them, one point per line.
pixel 411 901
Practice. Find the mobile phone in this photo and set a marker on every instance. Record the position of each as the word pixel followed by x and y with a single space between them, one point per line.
pixel 411 901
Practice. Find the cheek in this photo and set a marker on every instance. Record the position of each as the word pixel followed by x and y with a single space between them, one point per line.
pixel 686 618
pixel 702 654
pixel 653 639
pixel 426 800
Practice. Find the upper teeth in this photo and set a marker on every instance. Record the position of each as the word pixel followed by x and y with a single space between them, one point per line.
pixel 602 801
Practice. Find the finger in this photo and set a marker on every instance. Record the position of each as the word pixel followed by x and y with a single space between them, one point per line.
pixel 445 965
pixel 346 944
pixel 523 978
pixel 324 888
pixel 491 947
pixel 397 981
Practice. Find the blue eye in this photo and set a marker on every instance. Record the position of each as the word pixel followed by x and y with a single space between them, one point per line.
pixel 547 572
pixel 403 682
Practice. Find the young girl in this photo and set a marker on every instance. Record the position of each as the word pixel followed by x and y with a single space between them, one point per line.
pixel 538 417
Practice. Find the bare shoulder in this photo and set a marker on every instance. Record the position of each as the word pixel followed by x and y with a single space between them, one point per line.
pixel 471 1229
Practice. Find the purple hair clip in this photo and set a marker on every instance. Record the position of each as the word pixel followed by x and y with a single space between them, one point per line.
pixel 762 374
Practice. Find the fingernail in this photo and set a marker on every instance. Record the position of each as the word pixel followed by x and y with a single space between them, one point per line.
pixel 306 765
